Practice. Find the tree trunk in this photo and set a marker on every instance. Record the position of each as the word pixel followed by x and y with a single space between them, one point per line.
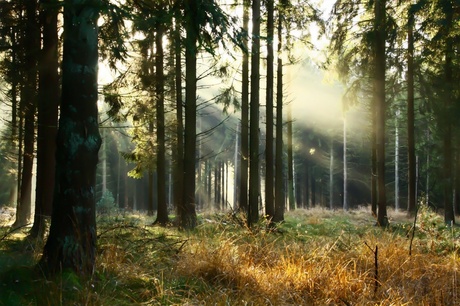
pixel 253 209
pixel 28 100
pixel 179 143
pixel 449 216
pixel 279 174
pixel 290 157
pixel 187 211
pixel 244 161
pixel 162 208
pixel 345 166
pixel 397 160
pixel 269 173
pixel 380 61
pixel 72 240
pixel 411 200
pixel 48 95
pixel 331 175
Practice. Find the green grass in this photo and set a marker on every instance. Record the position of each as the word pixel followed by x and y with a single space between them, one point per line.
pixel 315 257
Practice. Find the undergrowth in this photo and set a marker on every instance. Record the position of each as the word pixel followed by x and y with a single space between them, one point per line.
pixel 315 257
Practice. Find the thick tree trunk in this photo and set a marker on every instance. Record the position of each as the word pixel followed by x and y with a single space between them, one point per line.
pixel 72 240
pixel 253 209
pixel 244 161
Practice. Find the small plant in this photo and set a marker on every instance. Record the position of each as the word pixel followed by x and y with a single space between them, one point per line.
pixel 106 204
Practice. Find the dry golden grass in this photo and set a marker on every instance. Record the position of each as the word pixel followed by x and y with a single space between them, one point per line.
pixel 317 257
pixel 273 269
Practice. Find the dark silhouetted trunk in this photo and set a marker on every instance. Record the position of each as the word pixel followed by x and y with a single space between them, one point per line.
pixel 48 100
pixel 253 209
pixel 187 212
pixel 243 196
pixel 269 169
pixel 72 239
pixel 380 103
pixel 162 208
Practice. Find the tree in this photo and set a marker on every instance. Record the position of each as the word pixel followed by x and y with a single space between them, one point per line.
pixel 162 210
pixel 380 102
pixel 187 213
pixel 253 207
pixel 48 100
pixel 269 173
pixel 72 240
pixel 28 104
pixel 243 196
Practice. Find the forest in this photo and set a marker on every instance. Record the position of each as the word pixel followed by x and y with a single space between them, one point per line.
pixel 227 152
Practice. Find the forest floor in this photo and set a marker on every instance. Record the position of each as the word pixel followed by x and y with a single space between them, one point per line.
pixel 316 257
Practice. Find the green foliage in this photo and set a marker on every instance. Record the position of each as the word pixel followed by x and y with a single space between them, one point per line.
pixel 106 204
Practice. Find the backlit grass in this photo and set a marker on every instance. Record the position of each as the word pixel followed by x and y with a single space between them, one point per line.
pixel 316 257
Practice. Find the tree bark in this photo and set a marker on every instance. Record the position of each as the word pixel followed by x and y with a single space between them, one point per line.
pixel 162 208
pixel 379 79
pixel 48 95
pixel 411 200
pixel 269 173
pixel 187 211
pixel 244 161
pixel 279 173
pixel 253 209
pixel 72 240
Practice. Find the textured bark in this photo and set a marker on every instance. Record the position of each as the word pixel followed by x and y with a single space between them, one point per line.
pixel 72 240
pixel 243 196
pixel 253 209
pixel 48 95
pixel 187 212
pixel 269 169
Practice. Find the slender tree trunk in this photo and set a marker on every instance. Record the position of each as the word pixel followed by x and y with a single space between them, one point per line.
pixel 279 174
pixel 48 96
pixel 269 173
pixel 72 240
pixel 411 200
pixel 345 166
pixel 150 205
pixel 290 157
pixel 244 161
pixel 253 209
pixel 449 216
pixel 397 160
pixel 236 166
pixel 162 208
pixel 380 63
pixel 331 175
pixel 374 157
pixel 179 143
pixel 29 102
pixel 187 212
